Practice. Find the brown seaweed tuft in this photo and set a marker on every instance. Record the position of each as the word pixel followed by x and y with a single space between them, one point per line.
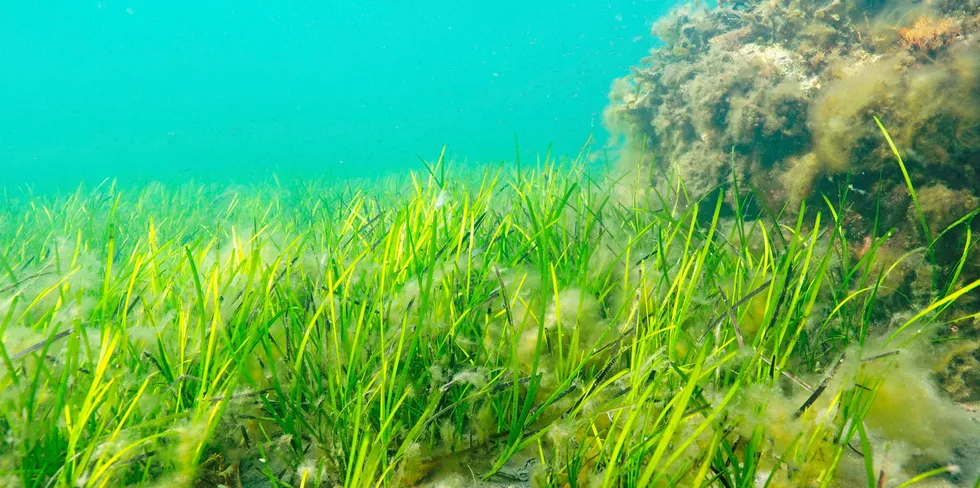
pixel 927 34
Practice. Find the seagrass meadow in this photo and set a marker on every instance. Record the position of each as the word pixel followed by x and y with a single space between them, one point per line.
pixel 547 325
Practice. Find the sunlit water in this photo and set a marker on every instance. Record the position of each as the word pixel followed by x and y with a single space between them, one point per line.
pixel 241 89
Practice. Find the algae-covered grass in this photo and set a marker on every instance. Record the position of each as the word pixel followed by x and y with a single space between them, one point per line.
pixel 435 328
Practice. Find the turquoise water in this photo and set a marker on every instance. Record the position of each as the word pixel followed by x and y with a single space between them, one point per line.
pixel 214 89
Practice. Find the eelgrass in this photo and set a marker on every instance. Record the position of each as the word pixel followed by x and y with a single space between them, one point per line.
pixel 381 333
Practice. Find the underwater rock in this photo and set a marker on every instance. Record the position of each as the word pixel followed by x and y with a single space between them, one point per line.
pixel 785 99
pixel 781 97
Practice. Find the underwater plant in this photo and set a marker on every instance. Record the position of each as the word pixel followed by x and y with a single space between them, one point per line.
pixel 545 326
